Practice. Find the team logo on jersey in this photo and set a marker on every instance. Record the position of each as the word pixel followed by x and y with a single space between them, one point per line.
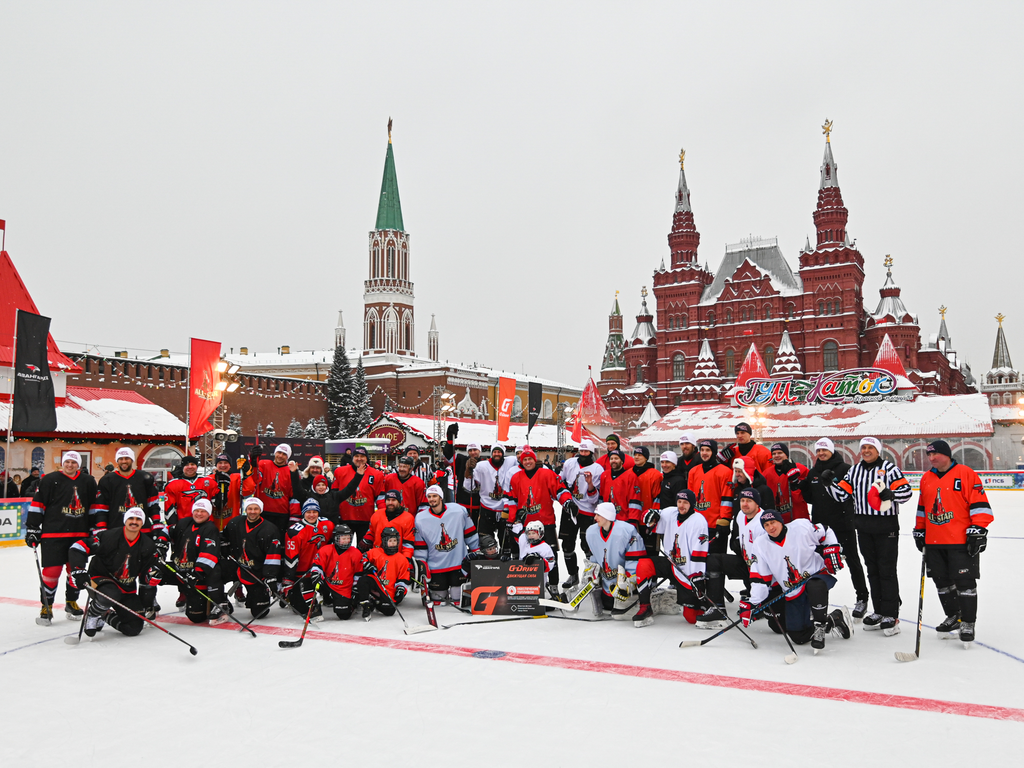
pixel 382 574
pixel 793 575
pixel 123 575
pixel 274 491
pixel 605 569
pixel 938 514
pixel 75 508
pixel 677 554
pixel 703 538
pixel 703 505
pixel 530 508
pixel 129 501
pixel 750 559
pixel 446 542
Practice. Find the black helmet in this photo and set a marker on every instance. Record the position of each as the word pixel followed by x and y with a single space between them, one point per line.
pixel 487 544
pixel 385 536
pixel 342 530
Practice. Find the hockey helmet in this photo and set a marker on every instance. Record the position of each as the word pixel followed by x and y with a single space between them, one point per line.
pixel 387 536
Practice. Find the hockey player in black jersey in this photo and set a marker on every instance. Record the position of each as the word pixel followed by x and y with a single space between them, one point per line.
pixel 125 488
pixel 124 566
pixel 195 565
pixel 255 544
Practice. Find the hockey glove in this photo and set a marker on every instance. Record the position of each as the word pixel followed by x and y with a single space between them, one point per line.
pixel 400 592
pixel 591 572
pixel 369 567
pixel 532 558
pixel 699 583
pixel 827 476
pixel 794 478
pixel 452 432
pixel 79 578
pixel 286 586
pixel 977 540
pixel 886 494
pixel 651 518
pixel 254 456
pixel 572 509
pixel 33 536
pixel 272 586
pixel 747 613
pixel 188 578
pixel 831 556
pixel 919 539
pixel 517 528
pixel 162 545
pixel 364 545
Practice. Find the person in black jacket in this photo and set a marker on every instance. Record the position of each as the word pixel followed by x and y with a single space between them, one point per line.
pixel 746 475
pixel 838 516
pixel 673 480
pixel 29 485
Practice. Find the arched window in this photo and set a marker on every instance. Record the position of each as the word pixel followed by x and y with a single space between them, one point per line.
pixel 679 366
pixel 547 410
pixel 972 457
pixel 38 458
pixel 769 357
pixel 639 373
pixel 390 330
pixel 830 356
pixel 161 461
pixel 1008 398
pixel 821 307
pixel 839 306
pixel 376 261
pixel 686 321
pixel 711 318
pixel 517 408
pixel 370 326
pixel 3 459
pixel 828 308
pixel 728 316
pixel 405 262
pixel 730 363
pixel 767 311
pixel 391 261
pixel 790 310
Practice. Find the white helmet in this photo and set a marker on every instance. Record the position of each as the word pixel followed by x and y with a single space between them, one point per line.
pixel 536 526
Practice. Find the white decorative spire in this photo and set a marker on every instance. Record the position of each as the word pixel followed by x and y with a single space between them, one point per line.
pixel 432 341
pixel 786 361
pixel 706 367
pixel 682 191
pixel 339 332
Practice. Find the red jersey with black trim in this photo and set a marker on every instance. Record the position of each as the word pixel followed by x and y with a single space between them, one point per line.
pixel 391 569
pixel 649 482
pixel 404 523
pixel 713 490
pixel 622 490
pixel 761 455
pixel 182 492
pixel 339 569
pixel 949 502
pixel 530 495
pixel 273 486
pixel 414 492
pixel 303 542
pixel 360 505
pixel 790 503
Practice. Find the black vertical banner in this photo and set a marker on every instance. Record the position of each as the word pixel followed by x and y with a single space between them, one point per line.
pixel 35 409
pixel 536 393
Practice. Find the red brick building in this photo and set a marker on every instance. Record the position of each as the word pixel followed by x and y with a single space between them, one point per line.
pixel 690 348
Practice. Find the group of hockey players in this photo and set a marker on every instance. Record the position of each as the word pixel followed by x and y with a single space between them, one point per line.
pixel 655 539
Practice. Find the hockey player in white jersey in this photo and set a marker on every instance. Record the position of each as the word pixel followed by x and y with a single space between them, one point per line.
pixel 533 548
pixel 582 476
pixel 684 541
pixel 445 535
pixel 747 527
pixel 788 554
pixel 615 550
pixel 490 480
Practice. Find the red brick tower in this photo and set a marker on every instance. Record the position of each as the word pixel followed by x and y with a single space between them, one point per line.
pixel 642 349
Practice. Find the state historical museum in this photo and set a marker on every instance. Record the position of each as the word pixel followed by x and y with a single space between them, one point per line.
pixel 691 347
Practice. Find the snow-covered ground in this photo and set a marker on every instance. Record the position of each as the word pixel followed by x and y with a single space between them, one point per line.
pixel 563 693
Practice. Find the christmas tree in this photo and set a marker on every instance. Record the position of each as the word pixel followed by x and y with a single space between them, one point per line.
pixel 235 422
pixel 316 429
pixel 362 411
pixel 268 431
pixel 294 428
pixel 339 394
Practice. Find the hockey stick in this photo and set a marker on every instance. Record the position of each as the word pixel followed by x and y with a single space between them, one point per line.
pixel 101 596
pixel 707 600
pixel 493 621
pixel 903 655
pixel 208 599
pixel 408 630
pixel 297 643
pixel 71 639
pixel 757 610
pixel 42 590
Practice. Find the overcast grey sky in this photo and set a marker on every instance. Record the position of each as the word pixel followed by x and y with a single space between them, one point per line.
pixel 212 169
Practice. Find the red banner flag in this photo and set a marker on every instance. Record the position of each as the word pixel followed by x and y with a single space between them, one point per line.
pixel 203 395
pixel 3 225
pixel 506 394
pixel 577 427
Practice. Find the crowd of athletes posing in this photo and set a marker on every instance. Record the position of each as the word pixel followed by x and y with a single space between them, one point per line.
pixel 360 540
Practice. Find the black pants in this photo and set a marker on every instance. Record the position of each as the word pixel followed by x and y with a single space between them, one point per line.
pixel 720 567
pixel 359 528
pixel 369 589
pixel 651 569
pixel 848 541
pixel 881 552
pixel 487 521
pixel 719 543
pixel 569 534
pixel 197 607
pixel 955 575
pixel 798 617
pixel 440 583
pixel 123 621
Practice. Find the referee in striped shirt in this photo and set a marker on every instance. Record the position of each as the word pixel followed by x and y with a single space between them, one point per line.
pixel 877 487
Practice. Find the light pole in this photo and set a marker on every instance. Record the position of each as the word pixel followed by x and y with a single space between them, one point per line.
pixel 758 418
pixel 444 404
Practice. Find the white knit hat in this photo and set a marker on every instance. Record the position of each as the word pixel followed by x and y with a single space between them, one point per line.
pixel 436 490
pixel 73 455
pixel 250 501
pixel 124 453
pixel 687 437
pixel 824 444
pixel 873 442
pixel 606 510
pixel 285 449
pixel 670 456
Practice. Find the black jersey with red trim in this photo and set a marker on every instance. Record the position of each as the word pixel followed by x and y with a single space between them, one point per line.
pixel 63 506
pixel 257 546
pixel 117 559
pixel 196 546
pixel 117 493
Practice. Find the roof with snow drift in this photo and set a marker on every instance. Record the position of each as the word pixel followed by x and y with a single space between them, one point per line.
pixel 766 256
pixel 542 436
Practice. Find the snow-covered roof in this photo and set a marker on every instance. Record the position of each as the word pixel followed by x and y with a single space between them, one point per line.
pixel 1007 413
pixel 542 436
pixel 110 412
pixel 648 417
pixel 926 416
pixel 764 255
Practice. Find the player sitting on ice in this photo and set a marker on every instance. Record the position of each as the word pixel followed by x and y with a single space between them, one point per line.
pixel 336 568
pixel 121 557
pixel 195 566
pixel 305 539
pixel 445 535
pixel 616 547
pixel 684 542
pixel 385 579
pixel 787 555
pixel 533 549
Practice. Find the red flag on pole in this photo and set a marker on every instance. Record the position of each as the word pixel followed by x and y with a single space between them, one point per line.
pixel 506 394
pixel 203 395
pixel 577 426
pixel 3 225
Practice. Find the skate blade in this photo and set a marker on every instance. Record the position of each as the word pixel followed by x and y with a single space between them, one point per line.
pixel 72 617
pixel 954 635
pixel 415 630
pixel 817 650
pixel 968 644
pixel 904 656
pixel 792 658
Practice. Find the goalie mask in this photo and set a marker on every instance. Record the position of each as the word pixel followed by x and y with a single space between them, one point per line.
pixel 535 532
pixel 390 541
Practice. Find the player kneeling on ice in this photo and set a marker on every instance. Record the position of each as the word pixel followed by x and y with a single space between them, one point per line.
pixel 787 555
pixel 253 545
pixel 533 549
pixel 385 579
pixel 125 567
pixel 615 549
pixel 684 541
pixel 335 571
pixel 195 566
pixel 305 538
pixel 445 535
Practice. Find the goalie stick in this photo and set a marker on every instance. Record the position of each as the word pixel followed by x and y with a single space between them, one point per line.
pixel 409 630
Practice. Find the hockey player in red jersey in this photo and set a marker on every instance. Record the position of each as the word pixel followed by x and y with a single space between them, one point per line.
pixel 531 493
pixel 182 492
pixel 195 565
pixel 394 515
pixel 359 508
pixel 619 486
pixel 61 513
pixel 953 516
pixel 745 445
pixel 277 484
pixel 612 443
pixel 385 580
pixel 414 492
pixel 711 483
pixel 784 478
pixel 304 540
pixel 336 568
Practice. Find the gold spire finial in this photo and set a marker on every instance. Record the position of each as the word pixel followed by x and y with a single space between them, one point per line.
pixel 942 311
pixel 827 129
pixel 888 260
pixel 643 292
pixel 999 318
pixel 389 130
pixel 616 295
pixel 682 158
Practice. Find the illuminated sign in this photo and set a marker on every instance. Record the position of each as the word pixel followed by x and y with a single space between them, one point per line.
pixel 854 385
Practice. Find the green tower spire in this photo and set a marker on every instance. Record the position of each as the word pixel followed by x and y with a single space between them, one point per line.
pixel 389 209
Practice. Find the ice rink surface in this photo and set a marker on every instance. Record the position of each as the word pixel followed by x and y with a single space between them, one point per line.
pixel 543 691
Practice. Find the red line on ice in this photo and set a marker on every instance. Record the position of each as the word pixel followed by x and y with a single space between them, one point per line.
pixel 628 670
